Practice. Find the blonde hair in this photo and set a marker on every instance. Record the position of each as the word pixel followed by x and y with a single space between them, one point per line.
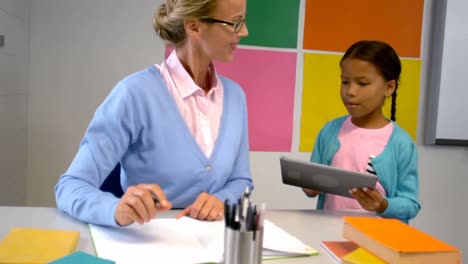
pixel 168 20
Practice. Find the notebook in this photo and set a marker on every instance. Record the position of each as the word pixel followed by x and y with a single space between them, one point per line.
pixel 184 241
pixel 33 245
pixel 361 256
pixel 339 249
pixel 323 178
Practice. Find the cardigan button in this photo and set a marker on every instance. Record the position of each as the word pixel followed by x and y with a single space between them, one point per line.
pixel 208 168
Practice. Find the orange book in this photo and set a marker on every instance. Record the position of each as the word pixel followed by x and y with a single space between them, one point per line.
pixel 396 242
pixel 37 246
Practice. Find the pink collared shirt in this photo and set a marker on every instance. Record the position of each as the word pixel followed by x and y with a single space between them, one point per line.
pixel 201 113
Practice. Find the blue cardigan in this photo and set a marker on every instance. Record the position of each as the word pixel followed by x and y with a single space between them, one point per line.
pixel 396 167
pixel 140 126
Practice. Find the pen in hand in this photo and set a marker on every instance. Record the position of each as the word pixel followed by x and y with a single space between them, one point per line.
pixel 156 202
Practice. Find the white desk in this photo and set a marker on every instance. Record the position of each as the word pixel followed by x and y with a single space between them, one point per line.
pixel 310 226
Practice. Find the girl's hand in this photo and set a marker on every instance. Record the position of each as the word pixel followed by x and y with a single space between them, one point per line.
pixel 310 193
pixel 370 199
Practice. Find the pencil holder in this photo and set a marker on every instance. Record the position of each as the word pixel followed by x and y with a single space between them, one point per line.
pixel 242 247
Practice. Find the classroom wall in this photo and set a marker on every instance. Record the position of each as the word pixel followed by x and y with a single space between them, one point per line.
pixel 14 68
pixel 80 49
pixel 443 170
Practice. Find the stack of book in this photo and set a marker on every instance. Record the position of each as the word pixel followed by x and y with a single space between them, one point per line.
pixel 380 240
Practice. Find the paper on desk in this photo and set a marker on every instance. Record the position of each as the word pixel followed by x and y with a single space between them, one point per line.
pixel 160 241
pixel 183 241
pixel 276 241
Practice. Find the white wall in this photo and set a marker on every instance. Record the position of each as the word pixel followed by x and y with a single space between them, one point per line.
pixel 14 67
pixel 443 170
pixel 80 49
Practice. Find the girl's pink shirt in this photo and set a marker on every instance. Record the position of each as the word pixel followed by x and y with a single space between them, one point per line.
pixel 201 112
pixel 357 145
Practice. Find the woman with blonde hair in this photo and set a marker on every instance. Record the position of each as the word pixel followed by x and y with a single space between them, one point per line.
pixel 178 129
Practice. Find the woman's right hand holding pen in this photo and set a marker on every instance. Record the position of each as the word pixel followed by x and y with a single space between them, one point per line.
pixel 140 204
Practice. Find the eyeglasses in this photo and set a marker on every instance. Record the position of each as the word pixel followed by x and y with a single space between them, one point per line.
pixel 237 25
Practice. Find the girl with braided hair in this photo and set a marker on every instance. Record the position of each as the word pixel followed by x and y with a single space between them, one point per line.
pixel 367 141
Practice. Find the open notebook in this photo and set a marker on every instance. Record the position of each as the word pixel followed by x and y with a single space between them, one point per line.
pixel 184 241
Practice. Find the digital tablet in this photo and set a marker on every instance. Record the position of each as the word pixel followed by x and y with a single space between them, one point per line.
pixel 323 178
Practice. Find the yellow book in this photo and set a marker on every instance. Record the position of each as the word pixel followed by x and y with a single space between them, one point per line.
pixel 361 256
pixel 37 246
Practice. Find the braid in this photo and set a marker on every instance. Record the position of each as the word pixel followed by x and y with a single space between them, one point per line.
pixel 393 110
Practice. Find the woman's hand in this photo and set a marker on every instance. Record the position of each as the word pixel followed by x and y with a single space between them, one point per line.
pixel 370 199
pixel 140 204
pixel 206 207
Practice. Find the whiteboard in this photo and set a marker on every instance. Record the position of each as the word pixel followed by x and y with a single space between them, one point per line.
pixel 447 108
